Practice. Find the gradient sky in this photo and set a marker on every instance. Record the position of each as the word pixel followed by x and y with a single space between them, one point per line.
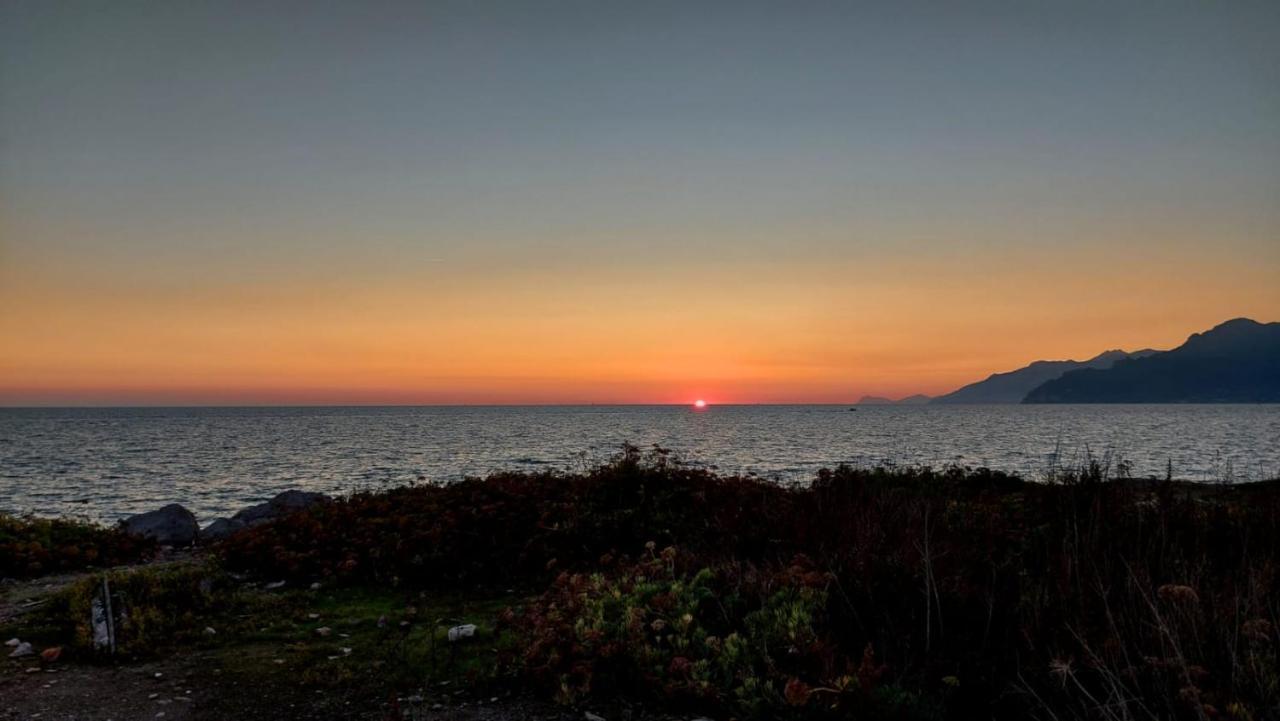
pixel 219 202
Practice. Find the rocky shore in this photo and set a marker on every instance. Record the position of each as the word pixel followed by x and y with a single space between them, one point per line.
pixel 174 525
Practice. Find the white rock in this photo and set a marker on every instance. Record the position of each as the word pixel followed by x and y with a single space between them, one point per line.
pixel 592 717
pixel 466 630
pixel 209 631
pixel 12 643
pixel 22 649
pixel 274 586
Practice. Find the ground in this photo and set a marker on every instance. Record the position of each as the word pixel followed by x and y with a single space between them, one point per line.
pixel 306 654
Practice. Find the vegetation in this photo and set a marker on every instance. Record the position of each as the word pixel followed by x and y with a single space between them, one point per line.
pixel 32 546
pixel 911 594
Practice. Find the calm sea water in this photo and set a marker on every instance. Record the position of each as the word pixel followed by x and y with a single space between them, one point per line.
pixel 108 463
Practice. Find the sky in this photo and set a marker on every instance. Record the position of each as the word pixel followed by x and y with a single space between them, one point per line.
pixel 596 202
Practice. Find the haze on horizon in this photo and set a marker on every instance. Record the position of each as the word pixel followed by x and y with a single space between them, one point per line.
pixel 592 202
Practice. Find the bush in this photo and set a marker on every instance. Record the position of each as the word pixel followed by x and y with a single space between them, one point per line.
pixel 985 594
pixel 156 607
pixel 729 638
pixel 32 546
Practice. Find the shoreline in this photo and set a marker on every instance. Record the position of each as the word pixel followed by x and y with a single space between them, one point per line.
pixel 681 593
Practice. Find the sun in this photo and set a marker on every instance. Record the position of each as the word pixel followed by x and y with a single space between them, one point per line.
pixel 699 403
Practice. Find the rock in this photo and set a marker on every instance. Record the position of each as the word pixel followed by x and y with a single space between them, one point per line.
pixel 592 717
pixel 457 633
pixel 210 631
pixel 11 643
pixel 323 631
pixel 274 585
pixel 221 528
pixel 171 525
pixel 22 649
pixel 281 505
pixel 51 654
pixel 315 586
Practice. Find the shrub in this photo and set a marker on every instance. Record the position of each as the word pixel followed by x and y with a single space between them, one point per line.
pixel 986 594
pixel 155 606
pixel 32 546
pixel 728 638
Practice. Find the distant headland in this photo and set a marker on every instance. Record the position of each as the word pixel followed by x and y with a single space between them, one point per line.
pixel 1237 361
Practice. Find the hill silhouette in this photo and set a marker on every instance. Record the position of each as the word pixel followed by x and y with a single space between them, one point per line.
pixel 915 400
pixel 1013 386
pixel 1235 362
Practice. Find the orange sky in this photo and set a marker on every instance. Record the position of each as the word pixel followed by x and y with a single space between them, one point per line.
pixel 646 203
pixel 732 333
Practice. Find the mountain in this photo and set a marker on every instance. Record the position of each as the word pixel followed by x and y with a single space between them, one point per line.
pixel 918 399
pixel 1236 362
pixel 1013 386
pixel 915 400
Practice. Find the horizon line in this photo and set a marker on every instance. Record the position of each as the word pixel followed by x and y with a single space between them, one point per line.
pixel 416 405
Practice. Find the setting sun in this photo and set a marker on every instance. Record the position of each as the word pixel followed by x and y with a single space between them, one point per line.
pixel 699 403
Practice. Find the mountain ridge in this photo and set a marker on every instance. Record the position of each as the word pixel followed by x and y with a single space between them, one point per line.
pixel 1012 386
pixel 911 400
pixel 1237 361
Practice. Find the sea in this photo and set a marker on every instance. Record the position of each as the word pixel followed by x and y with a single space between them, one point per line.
pixel 106 463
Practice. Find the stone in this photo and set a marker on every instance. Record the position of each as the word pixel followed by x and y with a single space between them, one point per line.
pixel 171 525
pixel 51 654
pixel 22 649
pixel 11 643
pixel 281 505
pixel 221 528
pixel 323 631
pixel 457 633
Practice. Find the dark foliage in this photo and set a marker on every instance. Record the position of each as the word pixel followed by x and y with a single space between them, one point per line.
pixel 976 594
pixel 37 546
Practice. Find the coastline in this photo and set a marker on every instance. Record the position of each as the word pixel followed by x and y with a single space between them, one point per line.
pixel 902 587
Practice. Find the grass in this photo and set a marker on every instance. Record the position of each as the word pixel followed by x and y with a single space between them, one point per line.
pixel 908 594
pixel 360 644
